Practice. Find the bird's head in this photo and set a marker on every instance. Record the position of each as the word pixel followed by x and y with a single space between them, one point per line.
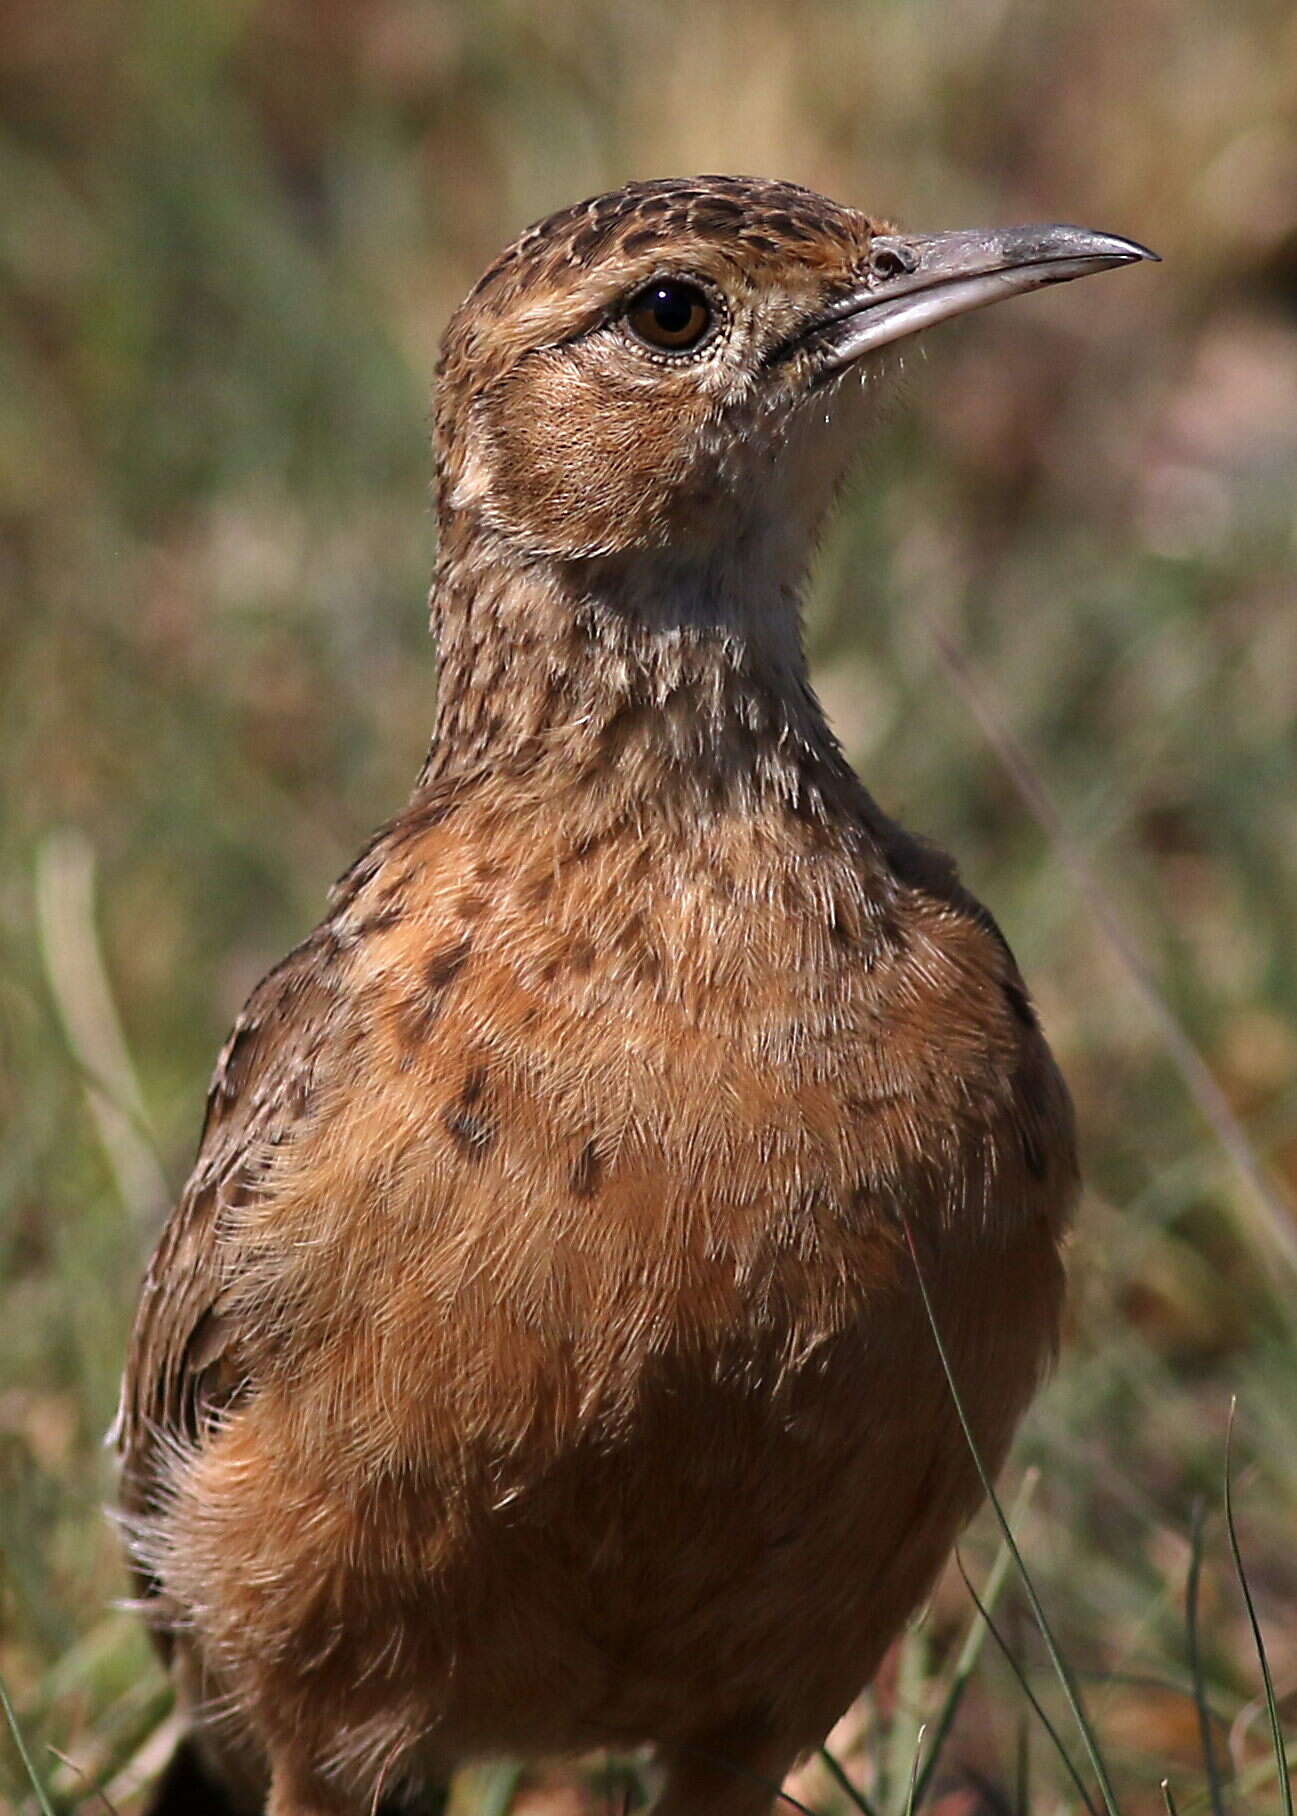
pixel 676 366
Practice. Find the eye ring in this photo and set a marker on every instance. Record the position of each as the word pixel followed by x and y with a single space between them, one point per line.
pixel 671 315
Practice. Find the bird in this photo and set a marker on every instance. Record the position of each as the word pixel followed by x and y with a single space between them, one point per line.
pixel 541 1357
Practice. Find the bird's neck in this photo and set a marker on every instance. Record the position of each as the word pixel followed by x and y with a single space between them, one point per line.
pixel 653 678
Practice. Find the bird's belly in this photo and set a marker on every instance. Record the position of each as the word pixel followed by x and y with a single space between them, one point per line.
pixel 731 1551
pixel 743 1530
pixel 736 1532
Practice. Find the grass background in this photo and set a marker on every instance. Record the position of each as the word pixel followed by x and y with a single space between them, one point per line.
pixel 230 233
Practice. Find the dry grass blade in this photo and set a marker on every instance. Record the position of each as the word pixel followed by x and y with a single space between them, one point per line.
pixel 1272 1707
pixel 83 1776
pixel 1168 1799
pixel 78 980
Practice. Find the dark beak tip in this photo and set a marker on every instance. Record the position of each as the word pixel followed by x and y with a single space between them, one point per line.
pixel 1065 241
pixel 1133 251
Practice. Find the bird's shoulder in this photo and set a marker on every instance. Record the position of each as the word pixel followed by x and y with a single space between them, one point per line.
pixel 951 1052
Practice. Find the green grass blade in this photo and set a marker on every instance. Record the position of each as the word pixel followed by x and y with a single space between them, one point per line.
pixel 1070 1689
pixel 1006 1652
pixel 839 1776
pixel 500 1788
pixel 971 1649
pixel 23 1754
pixel 914 1770
pixel 1211 1765
pixel 1272 1707
pixel 893 1790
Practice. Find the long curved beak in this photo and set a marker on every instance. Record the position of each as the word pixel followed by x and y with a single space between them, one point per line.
pixel 914 280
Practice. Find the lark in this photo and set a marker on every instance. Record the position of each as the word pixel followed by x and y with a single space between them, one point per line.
pixel 536 1359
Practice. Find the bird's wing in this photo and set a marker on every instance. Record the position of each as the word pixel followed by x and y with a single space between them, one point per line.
pixel 188 1358
pixel 183 1362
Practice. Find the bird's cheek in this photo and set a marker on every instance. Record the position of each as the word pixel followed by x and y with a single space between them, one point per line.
pixel 568 464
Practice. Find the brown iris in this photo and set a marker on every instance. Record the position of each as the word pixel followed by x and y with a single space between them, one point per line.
pixel 670 314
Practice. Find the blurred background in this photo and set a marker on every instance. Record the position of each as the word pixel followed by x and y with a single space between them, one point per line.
pixel 1056 624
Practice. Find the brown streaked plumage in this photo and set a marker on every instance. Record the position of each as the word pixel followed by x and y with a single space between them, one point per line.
pixel 534 1361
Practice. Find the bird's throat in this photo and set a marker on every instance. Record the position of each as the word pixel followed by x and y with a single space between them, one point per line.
pixel 652 682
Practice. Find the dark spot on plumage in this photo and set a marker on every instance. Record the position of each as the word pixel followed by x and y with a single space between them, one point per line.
pixel 467 1122
pixel 641 240
pixel 584 846
pixel 630 934
pixel 446 964
pixel 416 1013
pixel 720 207
pixel 588 242
pixel 472 905
pixel 582 956
pixel 588 1172
pixel 790 226
pixel 538 889
pixel 646 965
pixel 716 217
pixel 842 931
pixel 761 241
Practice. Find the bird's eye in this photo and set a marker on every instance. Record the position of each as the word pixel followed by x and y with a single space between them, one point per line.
pixel 670 314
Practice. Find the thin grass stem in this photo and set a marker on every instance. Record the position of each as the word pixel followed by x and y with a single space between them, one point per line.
pixel 973 1640
pixel 1271 1214
pixel 1070 1688
pixel 914 1770
pixel 1006 1652
pixel 1272 1706
pixel 838 1774
pixel 12 1719
pixel 1211 1765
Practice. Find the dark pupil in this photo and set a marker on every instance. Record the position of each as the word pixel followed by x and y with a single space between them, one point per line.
pixel 673 308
